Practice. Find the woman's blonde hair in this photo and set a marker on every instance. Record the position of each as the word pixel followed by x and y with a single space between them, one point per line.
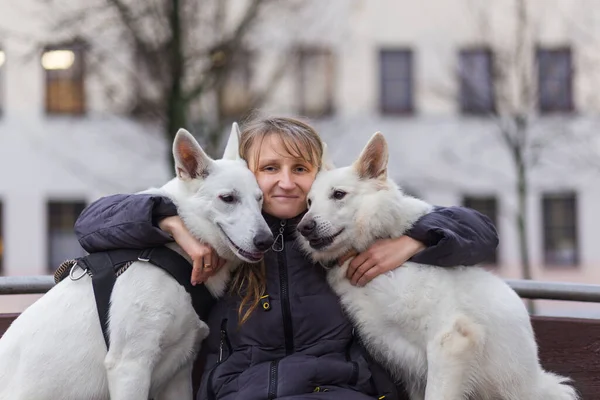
pixel 300 140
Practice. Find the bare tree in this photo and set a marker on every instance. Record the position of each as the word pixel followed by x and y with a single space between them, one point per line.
pixel 183 56
pixel 512 103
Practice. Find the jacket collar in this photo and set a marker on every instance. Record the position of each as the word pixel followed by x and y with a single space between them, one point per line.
pixel 289 230
pixel 289 225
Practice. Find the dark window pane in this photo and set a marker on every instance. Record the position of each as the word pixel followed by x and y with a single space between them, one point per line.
pixel 62 242
pixel 396 81
pixel 235 91
pixel 555 80
pixel 316 82
pixel 476 84
pixel 559 213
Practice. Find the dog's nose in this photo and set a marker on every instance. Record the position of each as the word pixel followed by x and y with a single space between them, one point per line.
pixel 307 227
pixel 263 240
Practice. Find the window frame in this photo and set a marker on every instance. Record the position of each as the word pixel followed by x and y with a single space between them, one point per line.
pixel 547 106
pixel 406 109
pixel 51 104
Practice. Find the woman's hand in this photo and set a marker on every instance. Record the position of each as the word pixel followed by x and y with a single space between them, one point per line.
pixel 205 260
pixel 384 255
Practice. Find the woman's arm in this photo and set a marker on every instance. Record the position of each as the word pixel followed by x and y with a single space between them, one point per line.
pixel 446 237
pixel 139 221
pixel 124 221
pixel 454 236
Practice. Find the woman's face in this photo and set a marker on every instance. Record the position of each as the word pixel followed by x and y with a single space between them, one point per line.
pixel 284 179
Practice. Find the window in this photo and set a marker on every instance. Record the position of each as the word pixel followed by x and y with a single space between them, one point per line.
pixel 315 81
pixel 235 95
pixel 1 240
pixel 476 83
pixel 64 67
pixel 488 206
pixel 560 229
pixel 555 80
pixel 2 62
pixel 396 81
pixel 62 242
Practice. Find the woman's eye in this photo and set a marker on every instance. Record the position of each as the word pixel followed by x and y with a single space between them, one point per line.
pixel 339 194
pixel 227 198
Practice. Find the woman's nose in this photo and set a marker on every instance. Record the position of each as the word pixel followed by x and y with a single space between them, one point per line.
pixel 286 180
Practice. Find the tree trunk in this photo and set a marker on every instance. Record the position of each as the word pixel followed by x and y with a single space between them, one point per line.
pixel 522 220
pixel 176 117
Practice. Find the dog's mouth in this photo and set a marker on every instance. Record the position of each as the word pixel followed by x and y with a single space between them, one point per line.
pixel 323 242
pixel 251 257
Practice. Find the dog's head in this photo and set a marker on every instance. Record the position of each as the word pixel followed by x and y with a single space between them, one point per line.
pixel 219 200
pixel 350 207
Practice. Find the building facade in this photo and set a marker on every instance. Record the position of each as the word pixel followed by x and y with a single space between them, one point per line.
pixel 454 85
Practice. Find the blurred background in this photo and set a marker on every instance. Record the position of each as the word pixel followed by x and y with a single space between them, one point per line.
pixel 493 104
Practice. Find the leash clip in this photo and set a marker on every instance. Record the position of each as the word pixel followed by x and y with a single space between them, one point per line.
pixel 145 255
pixel 71 275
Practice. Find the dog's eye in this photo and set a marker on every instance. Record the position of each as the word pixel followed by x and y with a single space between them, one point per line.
pixel 309 202
pixel 227 198
pixel 339 194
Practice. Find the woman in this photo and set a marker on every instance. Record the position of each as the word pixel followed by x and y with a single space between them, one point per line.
pixel 280 331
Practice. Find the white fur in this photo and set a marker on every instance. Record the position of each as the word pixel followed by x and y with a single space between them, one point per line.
pixel 55 349
pixel 449 333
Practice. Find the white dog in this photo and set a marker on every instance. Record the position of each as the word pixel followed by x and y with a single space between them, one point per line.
pixel 448 333
pixel 56 350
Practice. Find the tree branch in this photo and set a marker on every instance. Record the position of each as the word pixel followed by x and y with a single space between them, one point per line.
pixel 227 48
pixel 259 98
pixel 128 21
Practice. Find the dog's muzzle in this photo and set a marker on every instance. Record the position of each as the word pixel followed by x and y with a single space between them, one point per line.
pixel 319 243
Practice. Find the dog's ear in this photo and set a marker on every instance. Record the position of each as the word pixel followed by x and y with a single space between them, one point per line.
pixel 191 161
pixel 326 161
pixel 372 163
pixel 232 150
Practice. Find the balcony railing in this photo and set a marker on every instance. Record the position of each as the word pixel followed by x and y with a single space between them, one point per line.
pixel 526 289
pixel 567 346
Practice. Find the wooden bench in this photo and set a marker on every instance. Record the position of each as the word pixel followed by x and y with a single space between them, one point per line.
pixel 568 347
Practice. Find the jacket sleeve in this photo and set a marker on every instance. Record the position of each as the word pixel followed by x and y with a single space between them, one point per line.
pixel 124 221
pixel 454 236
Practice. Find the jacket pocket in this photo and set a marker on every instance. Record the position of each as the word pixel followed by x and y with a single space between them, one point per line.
pixel 224 345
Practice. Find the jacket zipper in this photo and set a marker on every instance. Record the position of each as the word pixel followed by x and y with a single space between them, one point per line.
pixel 288 329
pixel 354 376
pixel 222 343
pixel 273 380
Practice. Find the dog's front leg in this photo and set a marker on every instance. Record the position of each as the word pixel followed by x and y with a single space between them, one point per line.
pixel 128 379
pixel 180 387
pixel 451 361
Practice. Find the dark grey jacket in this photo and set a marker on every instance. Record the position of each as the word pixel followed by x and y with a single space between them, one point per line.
pixel 303 344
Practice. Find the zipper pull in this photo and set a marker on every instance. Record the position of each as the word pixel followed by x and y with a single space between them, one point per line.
pixel 278 244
